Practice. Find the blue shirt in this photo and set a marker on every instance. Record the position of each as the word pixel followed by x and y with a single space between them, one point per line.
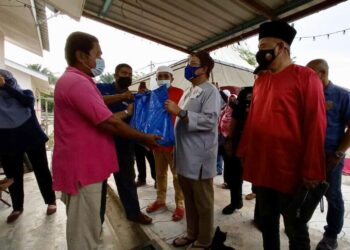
pixel 122 144
pixel 110 89
pixel 338 115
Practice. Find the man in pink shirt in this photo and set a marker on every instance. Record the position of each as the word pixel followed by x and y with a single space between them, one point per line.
pixel 84 155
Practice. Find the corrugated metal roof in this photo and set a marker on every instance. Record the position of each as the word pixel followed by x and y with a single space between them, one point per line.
pixel 193 25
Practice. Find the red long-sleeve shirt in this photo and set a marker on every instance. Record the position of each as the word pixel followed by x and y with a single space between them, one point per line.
pixel 283 141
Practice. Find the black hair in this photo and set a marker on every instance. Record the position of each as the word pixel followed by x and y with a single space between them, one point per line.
pixel 78 41
pixel 121 65
pixel 206 60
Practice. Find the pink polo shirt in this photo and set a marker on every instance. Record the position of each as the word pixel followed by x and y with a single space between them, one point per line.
pixel 83 154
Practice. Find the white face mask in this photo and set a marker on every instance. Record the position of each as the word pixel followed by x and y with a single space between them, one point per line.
pixel 164 82
pixel 100 66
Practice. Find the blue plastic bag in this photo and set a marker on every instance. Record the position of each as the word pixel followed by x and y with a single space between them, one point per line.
pixel 151 117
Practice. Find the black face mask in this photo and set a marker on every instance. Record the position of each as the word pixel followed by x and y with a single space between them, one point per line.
pixel 265 58
pixel 124 82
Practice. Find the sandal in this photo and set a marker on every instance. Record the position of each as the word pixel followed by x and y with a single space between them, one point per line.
pixel 14 216
pixel 194 246
pixel 51 209
pixel 182 241
pixel 155 206
pixel 5 183
pixel 178 214
pixel 225 186
pixel 250 196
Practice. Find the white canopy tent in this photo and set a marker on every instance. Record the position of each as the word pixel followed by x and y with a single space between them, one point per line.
pixel 225 74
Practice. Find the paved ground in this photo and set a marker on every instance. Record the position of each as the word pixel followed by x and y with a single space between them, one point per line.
pixel 241 233
pixel 34 230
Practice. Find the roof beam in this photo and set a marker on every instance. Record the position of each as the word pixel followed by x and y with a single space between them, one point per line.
pixel 259 8
pixel 105 8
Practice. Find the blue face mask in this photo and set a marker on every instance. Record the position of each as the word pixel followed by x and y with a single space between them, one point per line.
pixel 100 66
pixel 190 72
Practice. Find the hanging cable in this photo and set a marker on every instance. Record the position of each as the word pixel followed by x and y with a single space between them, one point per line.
pixel 313 37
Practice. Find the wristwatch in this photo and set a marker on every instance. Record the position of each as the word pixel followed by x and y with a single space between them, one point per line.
pixel 339 154
pixel 182 114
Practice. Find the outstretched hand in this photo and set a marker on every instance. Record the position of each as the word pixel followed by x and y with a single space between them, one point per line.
pixel 151 140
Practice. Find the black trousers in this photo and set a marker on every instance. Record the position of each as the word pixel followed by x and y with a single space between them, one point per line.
pixel 272 204
pixel 13 168
pixel 125 178
pixel 256 208
pixel 140 154
pixel 233 172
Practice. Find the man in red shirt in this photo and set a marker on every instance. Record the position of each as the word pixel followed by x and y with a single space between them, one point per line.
pixel 282 146
pixel 164 155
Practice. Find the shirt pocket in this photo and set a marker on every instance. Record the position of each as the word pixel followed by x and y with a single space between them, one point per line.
pixel 194 105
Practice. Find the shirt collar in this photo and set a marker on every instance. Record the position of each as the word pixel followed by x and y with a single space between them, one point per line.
pixel 79 72
pixel 329 86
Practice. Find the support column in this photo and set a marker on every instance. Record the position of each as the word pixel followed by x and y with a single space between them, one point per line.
pixel 2 50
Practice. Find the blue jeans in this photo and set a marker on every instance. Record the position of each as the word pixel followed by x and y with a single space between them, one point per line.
pixel 335 213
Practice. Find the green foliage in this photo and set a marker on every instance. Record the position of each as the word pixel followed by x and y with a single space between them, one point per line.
pixel 50 102
pixel 37 67
pixel 245 53
pixel 106 78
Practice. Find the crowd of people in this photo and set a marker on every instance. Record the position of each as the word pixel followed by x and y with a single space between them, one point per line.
pixel 287 133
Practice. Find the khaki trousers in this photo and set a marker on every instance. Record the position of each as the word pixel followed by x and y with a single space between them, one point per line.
pixel 199 204
pixel 83 217
pixel 163 160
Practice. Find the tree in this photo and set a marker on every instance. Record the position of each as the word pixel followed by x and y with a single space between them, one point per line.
pixel 106 78
pixel 245 53
pixel 37 67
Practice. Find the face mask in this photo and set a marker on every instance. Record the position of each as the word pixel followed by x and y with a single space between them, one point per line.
pixel 190 72
pixel 100 66
pixel 164 82
pixel 124 82
pixel 265 57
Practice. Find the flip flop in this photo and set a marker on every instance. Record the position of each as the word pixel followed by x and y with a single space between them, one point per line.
pixel 194 246
pixel 182 241
pixel 5 183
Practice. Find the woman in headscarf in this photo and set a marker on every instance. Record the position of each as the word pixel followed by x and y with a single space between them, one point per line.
pixel 20 133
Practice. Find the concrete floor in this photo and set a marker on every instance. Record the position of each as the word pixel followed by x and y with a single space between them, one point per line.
pixel 34 230
pixel 241 233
